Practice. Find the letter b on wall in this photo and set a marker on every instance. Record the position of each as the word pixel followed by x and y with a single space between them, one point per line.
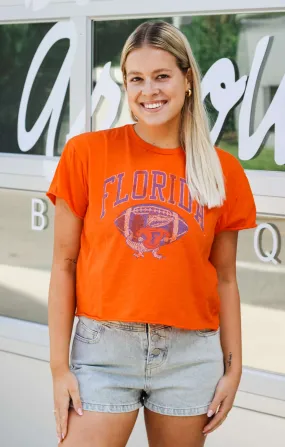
pixel 39 218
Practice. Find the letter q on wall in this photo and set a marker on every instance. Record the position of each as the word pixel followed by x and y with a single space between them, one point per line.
pixel 265 256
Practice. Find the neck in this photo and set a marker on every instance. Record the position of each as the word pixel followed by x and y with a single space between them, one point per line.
pixel 164 136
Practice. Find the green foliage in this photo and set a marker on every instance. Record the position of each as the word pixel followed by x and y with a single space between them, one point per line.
pixel 119 30
pixel 212 38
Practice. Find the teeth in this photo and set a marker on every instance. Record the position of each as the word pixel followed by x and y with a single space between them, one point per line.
pixel 154 105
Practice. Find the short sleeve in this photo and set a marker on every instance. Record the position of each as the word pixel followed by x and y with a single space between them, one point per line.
pixel 238 210
pixel 70 181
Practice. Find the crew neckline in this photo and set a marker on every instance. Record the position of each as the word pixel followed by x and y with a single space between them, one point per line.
pixel 150 147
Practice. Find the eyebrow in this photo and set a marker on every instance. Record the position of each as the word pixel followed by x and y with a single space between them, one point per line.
pixel 155 71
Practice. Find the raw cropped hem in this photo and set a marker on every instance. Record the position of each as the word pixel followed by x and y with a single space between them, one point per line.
pixel 123 408
pixel 177 411
pixel 149 321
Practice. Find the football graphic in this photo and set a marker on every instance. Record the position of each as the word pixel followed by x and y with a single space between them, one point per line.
pixel 147 227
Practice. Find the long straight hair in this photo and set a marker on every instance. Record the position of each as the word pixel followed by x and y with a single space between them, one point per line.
pixel 204 175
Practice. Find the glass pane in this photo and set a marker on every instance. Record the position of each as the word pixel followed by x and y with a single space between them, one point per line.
pixel 212 37
pixel 19 43
pixel 236 37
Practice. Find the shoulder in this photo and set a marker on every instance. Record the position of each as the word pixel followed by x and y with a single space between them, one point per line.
pixel 112 134
pixel 90 141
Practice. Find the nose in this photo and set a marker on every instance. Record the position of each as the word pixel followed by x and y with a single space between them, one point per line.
pixel 149 88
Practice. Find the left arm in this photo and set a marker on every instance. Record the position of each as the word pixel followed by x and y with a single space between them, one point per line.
pixel 223 258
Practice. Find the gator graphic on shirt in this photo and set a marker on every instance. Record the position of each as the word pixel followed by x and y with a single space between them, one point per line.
pixel 146 227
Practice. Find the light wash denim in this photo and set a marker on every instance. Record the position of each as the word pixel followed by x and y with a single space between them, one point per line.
pixel 122 366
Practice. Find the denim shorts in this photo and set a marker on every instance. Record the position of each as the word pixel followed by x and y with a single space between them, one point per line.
pixel 122 366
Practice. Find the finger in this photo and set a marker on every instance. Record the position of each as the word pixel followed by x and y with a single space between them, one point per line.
pixel 214 421
pixel 64 420
pixel 214 428
pixel 215 404
pixel 58 426
pixel 217 419
pixel 74 393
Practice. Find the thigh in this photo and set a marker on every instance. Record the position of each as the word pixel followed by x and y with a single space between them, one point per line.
pixel 168 431
pixel 99 429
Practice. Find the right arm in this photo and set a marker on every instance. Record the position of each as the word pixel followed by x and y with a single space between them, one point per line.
pixel 61 308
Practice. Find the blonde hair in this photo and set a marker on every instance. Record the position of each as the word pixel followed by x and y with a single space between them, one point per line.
pixel 204 175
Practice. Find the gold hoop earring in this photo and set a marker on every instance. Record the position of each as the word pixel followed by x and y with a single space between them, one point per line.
pixel 189 92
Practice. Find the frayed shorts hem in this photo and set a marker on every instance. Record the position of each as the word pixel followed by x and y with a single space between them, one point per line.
pixel 123 408
pixel 177 411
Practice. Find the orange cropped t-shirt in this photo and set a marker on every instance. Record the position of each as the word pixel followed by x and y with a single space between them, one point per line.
pixel 145 244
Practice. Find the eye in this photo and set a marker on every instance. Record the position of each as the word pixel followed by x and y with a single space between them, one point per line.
pixel 136 78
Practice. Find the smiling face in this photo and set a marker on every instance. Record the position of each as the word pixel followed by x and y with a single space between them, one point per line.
pixel 155 86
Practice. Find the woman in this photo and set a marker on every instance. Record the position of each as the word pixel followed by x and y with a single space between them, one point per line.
pixel 147 216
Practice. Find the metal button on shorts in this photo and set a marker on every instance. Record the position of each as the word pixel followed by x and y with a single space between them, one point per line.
pixel 156 352
pixel 155 337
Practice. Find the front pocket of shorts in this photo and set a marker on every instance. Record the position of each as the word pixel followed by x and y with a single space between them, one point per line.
pixel 207 332
pixel 86 334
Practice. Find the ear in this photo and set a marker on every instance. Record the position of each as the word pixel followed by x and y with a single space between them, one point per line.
pixel 189 74
pixel 189 77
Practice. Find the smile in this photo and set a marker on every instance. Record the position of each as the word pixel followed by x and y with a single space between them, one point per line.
pixel 153 107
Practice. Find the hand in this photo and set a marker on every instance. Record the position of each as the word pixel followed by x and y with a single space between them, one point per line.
pixel 224 397
pixel 65 386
